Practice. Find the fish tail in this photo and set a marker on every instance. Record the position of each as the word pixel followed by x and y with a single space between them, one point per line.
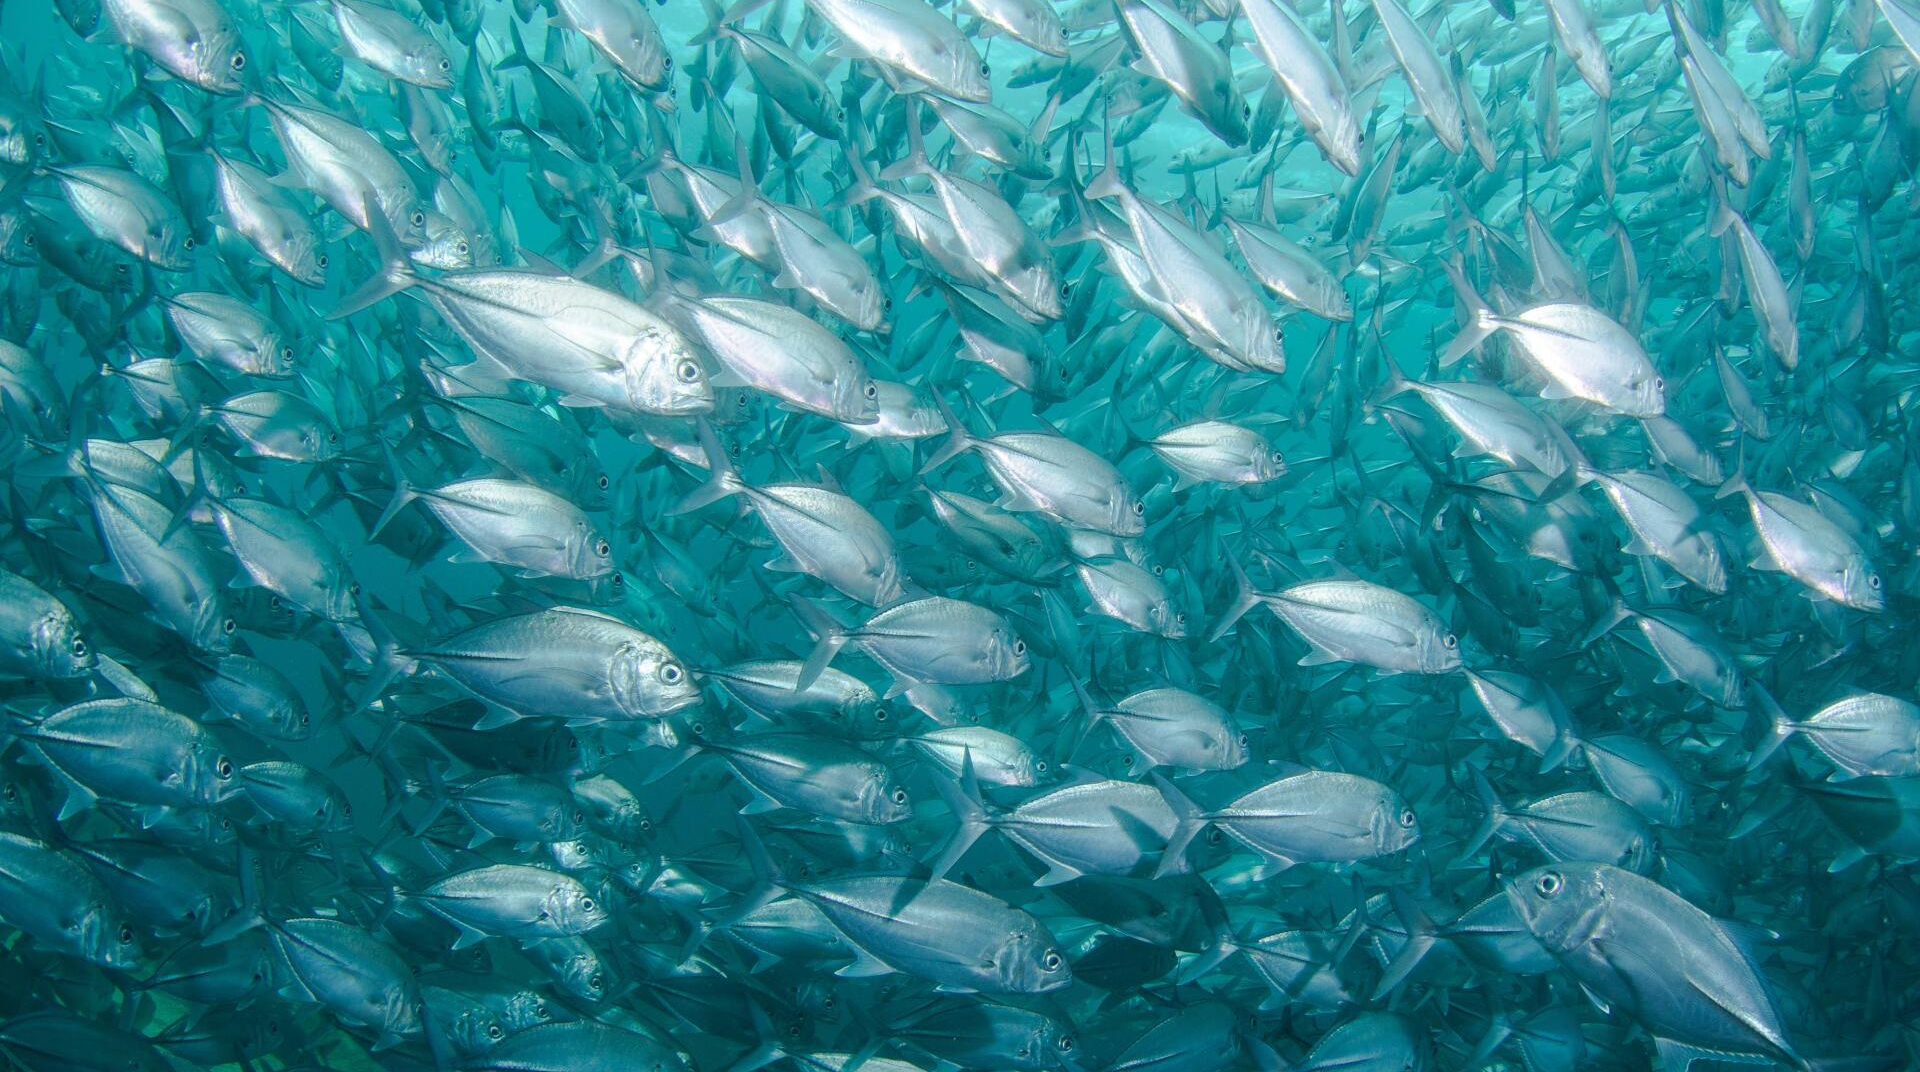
pixel 1779 726
pixel 1481 321
pixel 1245 598
pixel 1496 814
pixel 403 493
pixel 1106 182
pixel 963 799
pixel 917 161
pixel 1191 820
pixel 1562 747
pixel 1422 933
pixel 957 443
pixel 717 25
pixel 723 482
pixel 829 637
pixel 396 267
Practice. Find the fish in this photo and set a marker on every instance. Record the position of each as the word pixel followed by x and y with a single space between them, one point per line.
pixel 714 536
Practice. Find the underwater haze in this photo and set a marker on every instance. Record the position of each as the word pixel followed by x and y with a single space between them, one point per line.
pixel 959 535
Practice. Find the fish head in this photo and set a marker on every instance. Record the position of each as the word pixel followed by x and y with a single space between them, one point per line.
pixel 969 77
pixel 881 799
pixel 589 554
pixel 1860 586
pixel 401 1011
pixel 1234 748
pixel 1394 825
pixel 1563 904
pixel 1645 396
pixel 663 376
pixel 1126 514
pixel 648 682
pixel 582 974
pixel 1439 651
pixel 104 937
pixel 574 909
pixel 1343 142
pixel 59 649
pixel 1265 465
pixel 212 628
pixel 1028 961
pixel 856 398
pixel 427 65
pixel 214 58
pixel 1006 654
pixel 1167 621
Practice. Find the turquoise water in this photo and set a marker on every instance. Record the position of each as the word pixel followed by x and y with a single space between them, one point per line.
pixel 1129 588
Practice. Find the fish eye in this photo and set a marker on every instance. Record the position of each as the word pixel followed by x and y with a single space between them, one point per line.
pixel 601 547
pixel 886 304
pixel 666 63
pixel 1159 570
pixel 223 769
pixel 1450 641
pixel 1548 883
pixel 1066 291
pixel 578 818
pixel 353 589
pixel 1040 766
pixel 596 981
pixel 1873 582
pixel 1139 509
pixel 80 644
pixel 239 61
pixel 446 64
pixel 496 1032
pixel 1065 1044
pixel 1279 334
pixel 417 218
pixel 227 626
pixel 619 580
pixel 1407 818
pixel 1180 619
pixel 1051 962
pixel 1019 647
pixel 1659 385
pixel 586 903
pixel 671 674
pixel 286 353
pixel 320 260
pixel 986 71
pixel 39 138
pixel 460 248
pixel 872 391
pixel 187 243
pixel 900 797
pixel 1246 111
pixel 333 437
pixel 1214 837
pixel 689 371
pixel 603 482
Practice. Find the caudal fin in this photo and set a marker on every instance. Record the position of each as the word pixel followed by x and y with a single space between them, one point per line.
pixel 963 800
pixel 1191 820
pixel 722 482
pixel 1496 811
pixel 1480 319
pixel 396 267
pixel 829 637
pixel 1245 598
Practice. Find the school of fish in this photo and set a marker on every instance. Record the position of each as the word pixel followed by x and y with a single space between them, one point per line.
pixel 959 535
